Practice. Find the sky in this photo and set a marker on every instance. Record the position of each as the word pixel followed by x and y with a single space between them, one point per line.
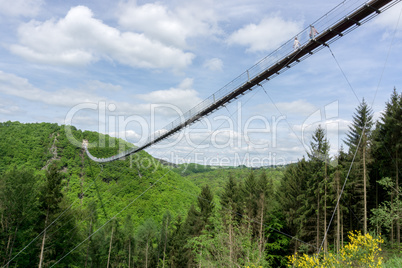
pixel 129 68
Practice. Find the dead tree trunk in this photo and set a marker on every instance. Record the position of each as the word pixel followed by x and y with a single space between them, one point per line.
pixel 364 188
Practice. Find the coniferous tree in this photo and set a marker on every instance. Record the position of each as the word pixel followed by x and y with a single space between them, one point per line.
pixel 359 142
pixel 318 183
pixel 293 200
pixel 230 194
pixel 388 144
pixel 205 204
pixel 264 193
pixel 338 179
pixel 249 192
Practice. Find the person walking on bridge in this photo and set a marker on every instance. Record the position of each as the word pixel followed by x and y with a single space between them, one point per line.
pixel 296 44
pixel 313 32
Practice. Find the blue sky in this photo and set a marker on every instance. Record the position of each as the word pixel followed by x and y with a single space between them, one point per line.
pixel 128 68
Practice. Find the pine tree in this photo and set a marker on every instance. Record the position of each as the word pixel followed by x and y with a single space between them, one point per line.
pixel 337 183
pixel 205 204
pixel 264 192
pixel 318 184
pixel 388 144
pixel 359 142
pixel 249 192
pixel 293 200
pixel 230 194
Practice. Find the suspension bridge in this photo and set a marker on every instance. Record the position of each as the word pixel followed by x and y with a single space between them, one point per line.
pixel 341 20
pixel 338 22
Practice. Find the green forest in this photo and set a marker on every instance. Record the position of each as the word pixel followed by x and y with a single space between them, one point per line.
pixel 58 208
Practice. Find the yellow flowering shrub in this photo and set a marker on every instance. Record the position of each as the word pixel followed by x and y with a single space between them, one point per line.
pixel 362 251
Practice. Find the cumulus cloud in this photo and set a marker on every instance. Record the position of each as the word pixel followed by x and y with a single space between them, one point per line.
pixel 269 34
pixel 171 27
pixel 214 64
pixel 26 8
pixel 80 39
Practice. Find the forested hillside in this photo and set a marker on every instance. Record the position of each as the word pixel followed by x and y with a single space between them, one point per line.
pixel 218 177
pixel 43 174
pixel 58 207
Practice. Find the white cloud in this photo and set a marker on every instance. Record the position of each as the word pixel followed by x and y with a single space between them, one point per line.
pixel 98 85
pixel 25 8
pixel 269 34
pixel 171 27
pixel 214 64
pixel 13 85
pixel 378 115
pixel 390 20
pixel 9 108
pixel 183 97
pixel 179 99
pixel 80 39
pixel 127 135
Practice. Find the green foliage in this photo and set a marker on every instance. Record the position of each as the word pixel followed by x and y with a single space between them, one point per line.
pixel 389 210
pixel 94 191
pixel 361 251
pixel 19 209
pixel 393 262
pixel 193 215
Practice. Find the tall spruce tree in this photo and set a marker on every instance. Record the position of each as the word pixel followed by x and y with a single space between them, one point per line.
pixel 359 141
pixel 205 204
pixel 318 184
pixel 388 145
pixel 293 200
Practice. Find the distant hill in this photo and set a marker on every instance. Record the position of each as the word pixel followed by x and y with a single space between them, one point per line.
pixel 217 176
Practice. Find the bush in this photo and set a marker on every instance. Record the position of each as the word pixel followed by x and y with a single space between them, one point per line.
pixel 362 251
